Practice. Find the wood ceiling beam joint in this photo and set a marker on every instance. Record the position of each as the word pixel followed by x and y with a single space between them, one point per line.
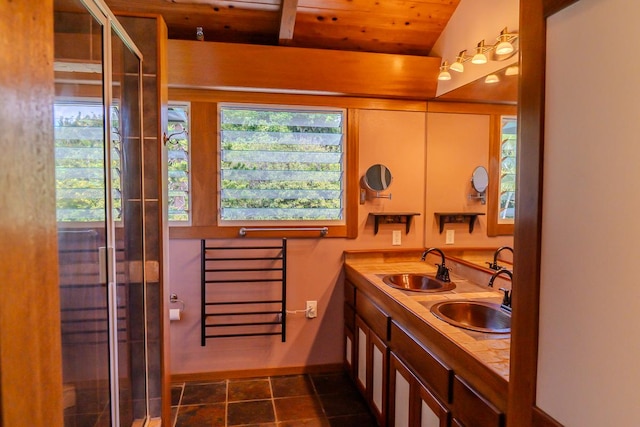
pixel 288 12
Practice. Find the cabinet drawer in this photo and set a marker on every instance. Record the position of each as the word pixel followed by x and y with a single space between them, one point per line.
pixel 377 319
pixel 349 317
pixel 471 409
pixel 430 369
pixel 349 294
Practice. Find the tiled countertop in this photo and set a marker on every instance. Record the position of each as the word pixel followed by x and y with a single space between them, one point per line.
pixel 491 350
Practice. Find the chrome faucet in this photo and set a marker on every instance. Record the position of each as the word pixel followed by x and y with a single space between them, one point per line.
pixel 494 265
pixel 443 271
pixel 506 300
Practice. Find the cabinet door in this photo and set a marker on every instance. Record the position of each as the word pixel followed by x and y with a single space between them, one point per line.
pixel 432 412
pixel 362 331
pixel 410 402
pixel 371 369
pixel 379 354
pixel 400 385
pixel 349 352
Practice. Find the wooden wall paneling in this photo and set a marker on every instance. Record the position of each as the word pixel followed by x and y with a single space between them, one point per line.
pixel 212 65
pixel 204 150
pixel 207 95
pixel 30 349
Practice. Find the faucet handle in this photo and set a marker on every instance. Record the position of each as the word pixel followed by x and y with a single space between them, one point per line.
pixel 506 300
pixel 443 273
pixel 493 265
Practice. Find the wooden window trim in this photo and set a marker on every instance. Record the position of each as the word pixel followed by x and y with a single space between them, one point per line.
pixel 494 228
pixel 204 184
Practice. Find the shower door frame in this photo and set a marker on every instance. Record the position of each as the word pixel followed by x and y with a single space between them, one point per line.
pixel 103 15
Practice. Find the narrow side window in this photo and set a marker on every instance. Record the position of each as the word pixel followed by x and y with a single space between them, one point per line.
pixel 178 168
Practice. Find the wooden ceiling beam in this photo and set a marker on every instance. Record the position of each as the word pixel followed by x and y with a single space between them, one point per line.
pixel 288 12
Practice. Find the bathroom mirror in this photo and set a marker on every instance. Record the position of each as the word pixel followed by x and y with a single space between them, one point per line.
pixel 377 178
pixel 479 182
pixel 480 179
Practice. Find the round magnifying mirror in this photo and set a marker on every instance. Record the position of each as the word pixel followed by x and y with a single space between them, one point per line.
pixel 480 179
pixel 377 178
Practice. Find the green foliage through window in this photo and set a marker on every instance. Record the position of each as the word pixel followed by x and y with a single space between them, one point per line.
pixel 506 211
pixel 80 162
pixel 178 158
pixel 281 164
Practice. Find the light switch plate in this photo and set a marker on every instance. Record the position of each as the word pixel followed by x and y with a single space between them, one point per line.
pixel 397 238
pixel 451 237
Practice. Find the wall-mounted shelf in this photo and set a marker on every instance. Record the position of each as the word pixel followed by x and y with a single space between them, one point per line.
pixel 392 218
pixel 457 217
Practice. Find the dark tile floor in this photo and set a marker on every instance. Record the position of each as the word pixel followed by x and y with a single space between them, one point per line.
pixel 315 400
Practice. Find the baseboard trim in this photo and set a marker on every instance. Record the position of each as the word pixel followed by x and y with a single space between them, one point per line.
pixel 255 373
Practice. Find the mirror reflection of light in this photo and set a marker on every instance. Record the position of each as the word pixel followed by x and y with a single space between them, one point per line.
pixel 491 78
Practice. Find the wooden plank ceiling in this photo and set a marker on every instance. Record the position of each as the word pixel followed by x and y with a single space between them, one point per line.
pixel 406 27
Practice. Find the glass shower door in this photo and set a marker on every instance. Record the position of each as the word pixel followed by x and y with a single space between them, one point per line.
pixel 129 236
pixel 100 228
pixel 82 215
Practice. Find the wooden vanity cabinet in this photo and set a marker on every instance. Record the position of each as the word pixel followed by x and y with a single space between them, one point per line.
pixel 470 409
pixel 411 403
pixel 349 328
pixel 372 355
pixel 419 384
pixel 371 370
pixel 403 381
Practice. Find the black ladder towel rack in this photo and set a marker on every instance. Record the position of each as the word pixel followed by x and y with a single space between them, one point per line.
pixel 228 276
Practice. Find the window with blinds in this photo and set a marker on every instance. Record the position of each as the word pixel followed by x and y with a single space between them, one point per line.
pixel 281 164
pixel 80 163
pixel 506 211
pixel 178 170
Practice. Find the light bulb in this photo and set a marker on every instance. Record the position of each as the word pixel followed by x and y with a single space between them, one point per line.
pixel 479 57
pixel 444 74
pixel 491 78
pixel 512 71
pixel 458 67
pixel 504 48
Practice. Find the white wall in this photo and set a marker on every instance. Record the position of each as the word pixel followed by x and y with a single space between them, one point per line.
pixel 473 21
pixel 588 370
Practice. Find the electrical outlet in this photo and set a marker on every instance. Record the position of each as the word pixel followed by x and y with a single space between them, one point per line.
pixel 397 238
pixel 451 237
pixel 312 309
